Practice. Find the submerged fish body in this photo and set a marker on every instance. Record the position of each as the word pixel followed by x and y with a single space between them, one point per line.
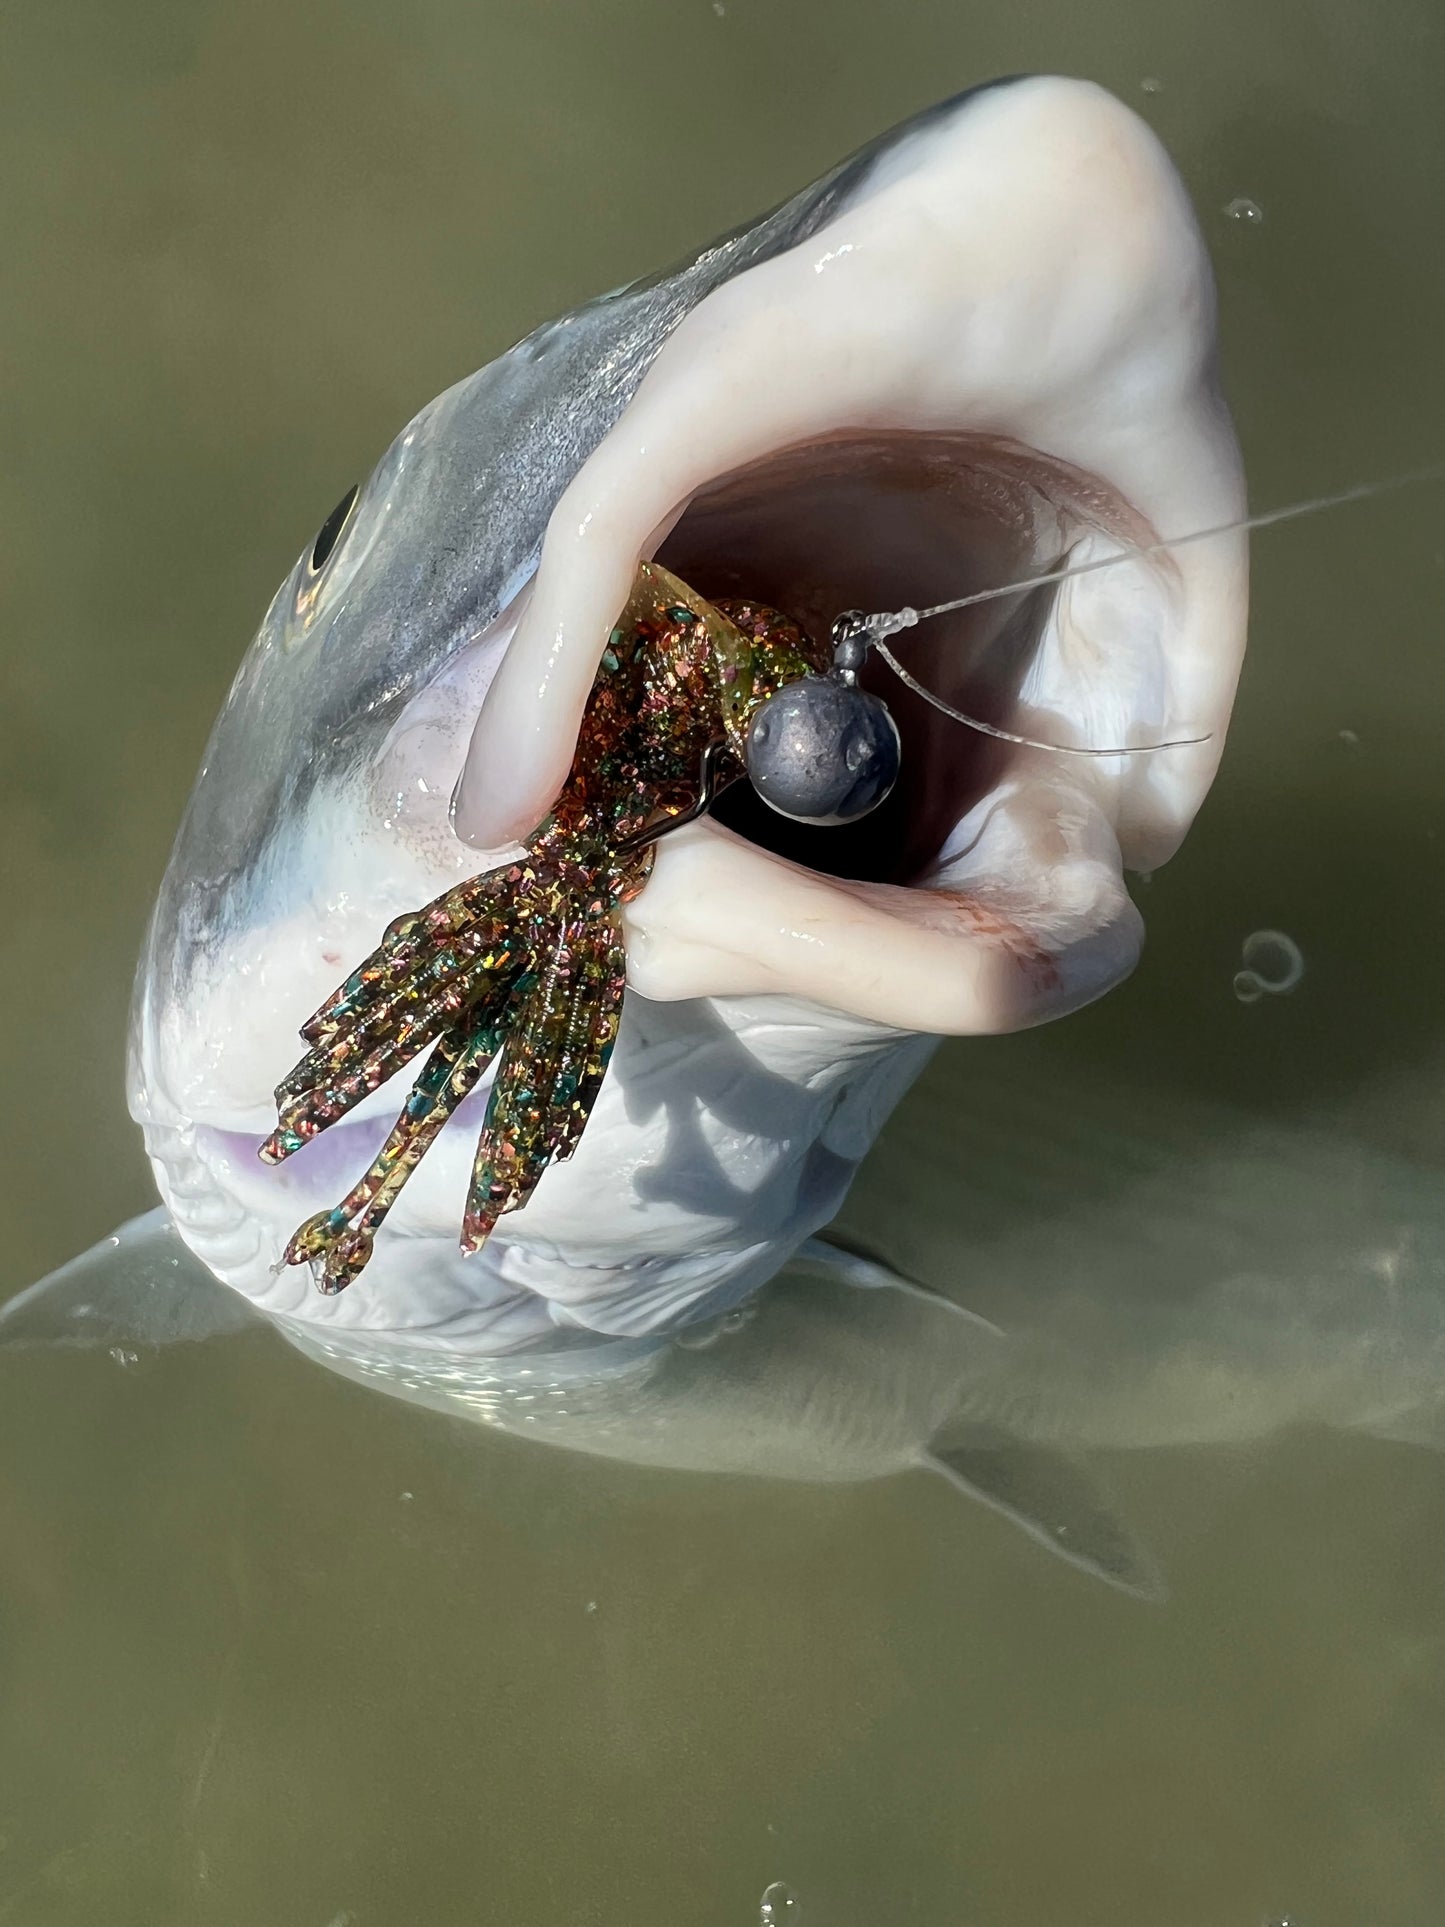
pixel 839 1374
pixel 897 384
pixel 1205 1280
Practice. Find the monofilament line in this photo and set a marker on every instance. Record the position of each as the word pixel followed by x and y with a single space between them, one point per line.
pixel 889 623
pixel 1007 735
pixel 876 628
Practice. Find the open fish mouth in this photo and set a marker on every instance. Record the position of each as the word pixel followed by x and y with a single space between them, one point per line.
pixel 983 348
pixel 998 357
pixel 986 892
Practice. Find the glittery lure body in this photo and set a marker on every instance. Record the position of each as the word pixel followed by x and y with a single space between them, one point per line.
pixel 526 964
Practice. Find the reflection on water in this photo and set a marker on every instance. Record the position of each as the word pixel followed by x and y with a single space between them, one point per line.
pixel 276 1648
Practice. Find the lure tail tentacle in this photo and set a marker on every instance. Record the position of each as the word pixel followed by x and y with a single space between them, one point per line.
pixel 559 1043
pixel 525 962
pixel 337 1244
pixel 412 989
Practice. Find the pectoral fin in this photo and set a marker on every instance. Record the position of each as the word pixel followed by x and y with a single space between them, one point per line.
pixel 140 1286
pixel 852 1268
pixel 1051 1498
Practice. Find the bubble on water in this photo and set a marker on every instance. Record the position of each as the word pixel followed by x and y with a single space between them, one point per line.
pixel 1276 958
pixel 1349 738
pixel 1273 965
pixel 1151 85
pixel 779 1904
pixel 1242 209
pixel 407 1497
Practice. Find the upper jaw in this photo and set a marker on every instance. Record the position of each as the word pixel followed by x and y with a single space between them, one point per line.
pixel 1023 277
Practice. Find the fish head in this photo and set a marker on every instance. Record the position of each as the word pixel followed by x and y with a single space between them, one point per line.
pixel 982 346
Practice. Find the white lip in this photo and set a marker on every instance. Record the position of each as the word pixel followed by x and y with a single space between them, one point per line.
pixel 1029 920
pixel 1027 272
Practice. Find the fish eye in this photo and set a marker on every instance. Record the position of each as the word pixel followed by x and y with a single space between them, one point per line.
pixel 330 532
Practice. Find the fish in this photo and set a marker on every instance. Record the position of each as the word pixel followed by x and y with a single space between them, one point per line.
pixel 983 344
pixel 979 396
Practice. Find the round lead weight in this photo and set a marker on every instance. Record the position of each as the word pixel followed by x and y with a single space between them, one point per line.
pixel 823 751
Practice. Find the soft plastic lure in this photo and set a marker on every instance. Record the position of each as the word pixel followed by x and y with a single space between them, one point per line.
pixel 527 963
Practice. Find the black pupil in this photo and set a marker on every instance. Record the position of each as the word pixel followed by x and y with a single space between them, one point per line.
pixel 330 529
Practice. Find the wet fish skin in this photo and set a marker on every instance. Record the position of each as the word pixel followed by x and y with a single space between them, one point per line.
pixel 840 1373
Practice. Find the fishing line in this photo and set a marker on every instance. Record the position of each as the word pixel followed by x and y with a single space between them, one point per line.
pixel 825 751
pixel 872 631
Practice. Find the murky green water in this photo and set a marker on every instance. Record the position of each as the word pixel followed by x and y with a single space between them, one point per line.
pixel 276 1650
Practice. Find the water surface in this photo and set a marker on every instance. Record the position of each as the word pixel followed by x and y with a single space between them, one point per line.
pixel 277 1650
